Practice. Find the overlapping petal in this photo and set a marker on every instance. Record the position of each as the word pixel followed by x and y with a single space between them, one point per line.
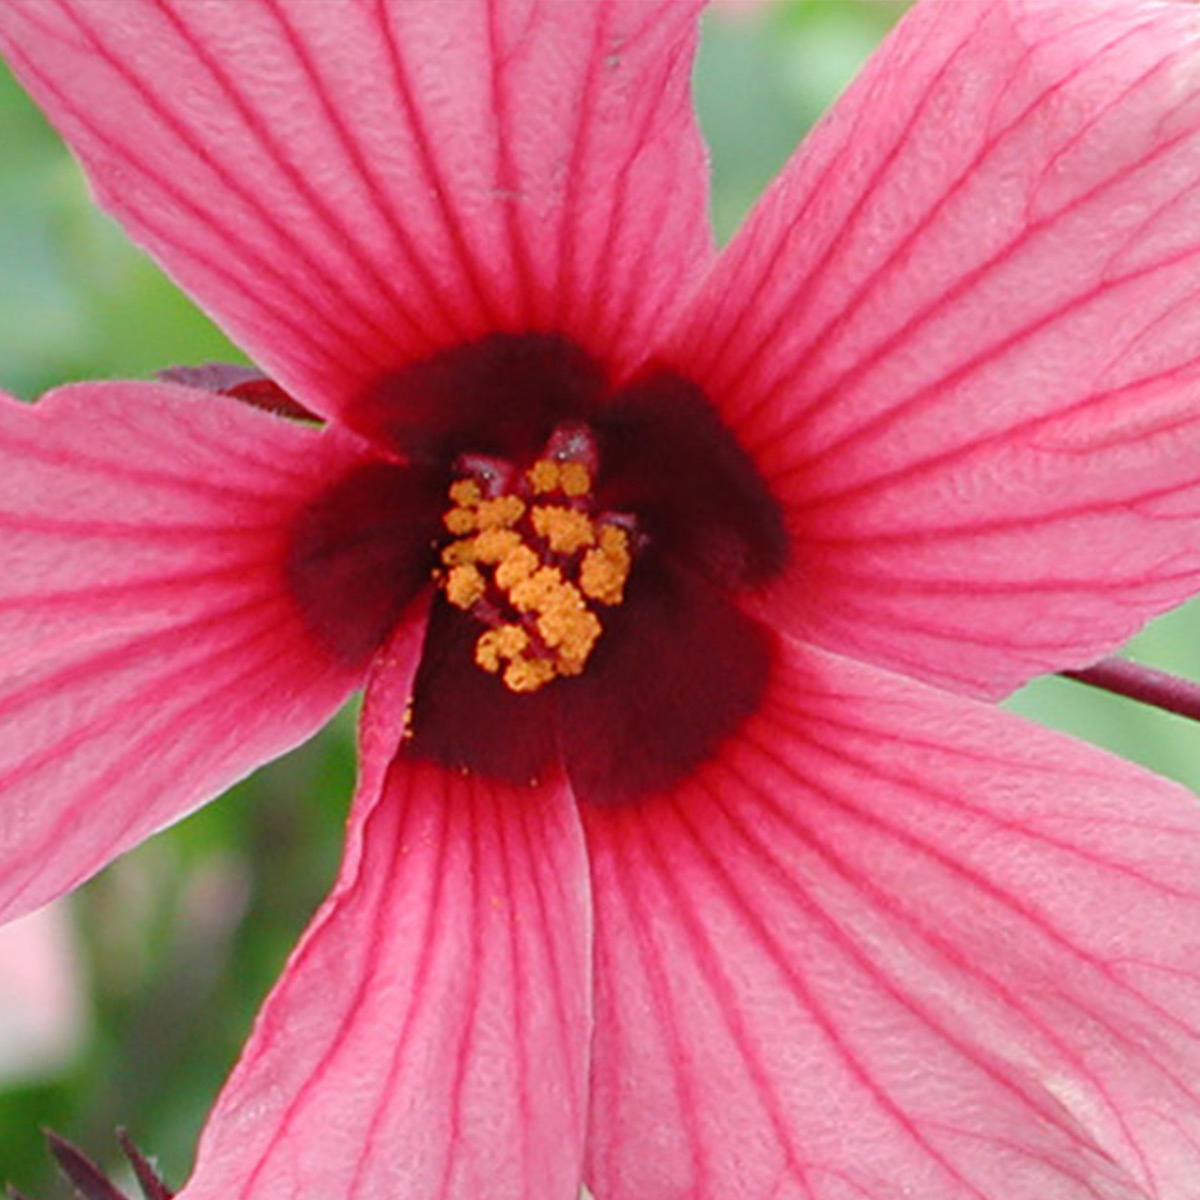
pixel 151 652
pixel 961 334
pixel 896 942
pixel 348 185
pixel 430 1036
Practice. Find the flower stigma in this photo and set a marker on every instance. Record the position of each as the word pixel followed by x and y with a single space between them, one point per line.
pixel 534 560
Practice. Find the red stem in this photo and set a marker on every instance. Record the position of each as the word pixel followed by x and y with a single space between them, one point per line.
pixel 1147 685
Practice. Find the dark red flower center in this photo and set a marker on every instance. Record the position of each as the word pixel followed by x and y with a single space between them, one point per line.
pixel 588 547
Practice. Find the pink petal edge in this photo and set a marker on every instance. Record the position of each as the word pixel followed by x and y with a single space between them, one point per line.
pixel 429 1037
pixel 306 173
pixel 896 942
pixel 150 650
pixel 961 335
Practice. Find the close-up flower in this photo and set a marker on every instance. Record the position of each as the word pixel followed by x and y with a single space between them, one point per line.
pixel 691 856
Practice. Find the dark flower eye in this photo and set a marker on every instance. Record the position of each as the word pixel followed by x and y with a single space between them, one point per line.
pixel 591 537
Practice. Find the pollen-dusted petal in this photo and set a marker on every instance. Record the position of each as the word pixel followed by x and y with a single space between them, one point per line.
pixel 151 649
pixel 892 942
pixel 304 171
pixel 566 530
pixel 961 337
pixel 429 1037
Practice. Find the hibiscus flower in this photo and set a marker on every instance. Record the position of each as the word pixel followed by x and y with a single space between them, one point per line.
pixel 690 856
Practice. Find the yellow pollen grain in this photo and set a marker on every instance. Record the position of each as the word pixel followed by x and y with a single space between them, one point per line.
pixel 465 492
pixel 460 552
pixel 571 633
pixel 539 592
pixel 517 566
pixel 564 529
pixel 464 585
pixel 574 479
pixel 559 614
pixel 560 632
pixel 528 674
pixel 493 546
pixel 500 513
pixel 605 570
pixel 460 520
pixel 543 475
pixel 572 659
pixel 614 540
pixel 501 644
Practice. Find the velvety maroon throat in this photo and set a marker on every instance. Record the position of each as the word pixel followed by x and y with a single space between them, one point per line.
pixel 586 546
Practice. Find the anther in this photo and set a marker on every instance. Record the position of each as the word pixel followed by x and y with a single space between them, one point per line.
pixel 529 558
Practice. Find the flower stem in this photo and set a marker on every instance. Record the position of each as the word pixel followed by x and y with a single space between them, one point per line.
pixel 1147 685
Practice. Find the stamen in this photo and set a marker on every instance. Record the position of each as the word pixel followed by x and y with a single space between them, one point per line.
pixel 500 645
pixel 543 476
pixel 604 571
pixel 539 591
pixel 465 585
pixel 565 529
pixel 465 493
pixel 528 674
pixel 574 479
pixel 501 513
pixel 495 545
pixel 461 520
pixel 516 567
pixel 529 571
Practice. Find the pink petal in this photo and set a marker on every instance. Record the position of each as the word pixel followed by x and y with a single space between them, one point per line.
pixel 898 943
pixel 348 187
pixel 429 1037
pixel 150 649
pixel 961 335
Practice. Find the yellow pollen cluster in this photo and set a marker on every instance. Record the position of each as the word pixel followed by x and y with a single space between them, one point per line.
pixel 473 513
pixel 571 478
pixel 465 493
pixel 552 631
pixel 566 530
pixel 605 569
pixel 465 585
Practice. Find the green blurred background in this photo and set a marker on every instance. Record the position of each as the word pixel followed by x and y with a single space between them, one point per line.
pixel 177 944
